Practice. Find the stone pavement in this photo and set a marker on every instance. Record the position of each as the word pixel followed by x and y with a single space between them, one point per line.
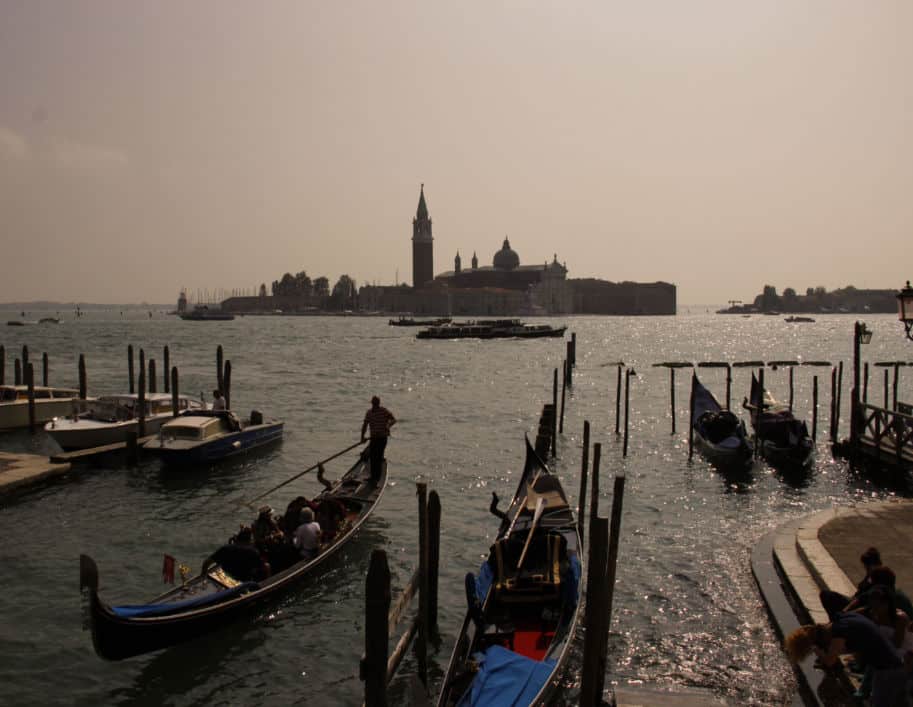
pixel 821 551
pixel 19 471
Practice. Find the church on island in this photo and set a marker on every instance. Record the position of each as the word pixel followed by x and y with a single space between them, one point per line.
pixel 507 287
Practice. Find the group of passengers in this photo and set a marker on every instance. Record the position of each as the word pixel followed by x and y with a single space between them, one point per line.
pixel 275 543
pixel 874 625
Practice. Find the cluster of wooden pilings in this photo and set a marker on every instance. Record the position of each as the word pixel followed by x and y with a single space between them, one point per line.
pixel 382 615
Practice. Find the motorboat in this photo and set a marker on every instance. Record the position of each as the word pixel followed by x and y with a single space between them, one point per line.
pixel 109 418
pixel 205 436
pixel 49 403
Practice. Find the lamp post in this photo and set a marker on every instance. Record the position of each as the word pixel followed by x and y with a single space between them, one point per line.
pixel 861 335
pixel 905 309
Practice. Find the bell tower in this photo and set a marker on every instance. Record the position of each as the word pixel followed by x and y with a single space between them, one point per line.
pixel 422 245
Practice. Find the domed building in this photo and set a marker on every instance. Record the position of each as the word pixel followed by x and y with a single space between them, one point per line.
pixel 544 286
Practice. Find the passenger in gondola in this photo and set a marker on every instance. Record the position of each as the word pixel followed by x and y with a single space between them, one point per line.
pixel 329 514
pixel 307 535
pixel 265 527
pixel 292 518
pixel 239 558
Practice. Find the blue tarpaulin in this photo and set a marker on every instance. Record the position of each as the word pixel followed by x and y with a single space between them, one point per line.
pixel 506 679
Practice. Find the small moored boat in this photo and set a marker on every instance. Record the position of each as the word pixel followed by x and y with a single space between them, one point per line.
pixel 49 403
pixel 719 434
pixel 785 441
pixel 202 313
pixel 210 600
pixel 524 604
pixel 108 419
pixel 205 436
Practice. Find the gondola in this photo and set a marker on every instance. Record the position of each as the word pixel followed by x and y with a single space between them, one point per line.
pixel 785 441
pixel 719 434
pixel 524 605
pixel 207 602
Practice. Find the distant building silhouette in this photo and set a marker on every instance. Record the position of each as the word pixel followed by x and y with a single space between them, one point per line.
pixel 422 245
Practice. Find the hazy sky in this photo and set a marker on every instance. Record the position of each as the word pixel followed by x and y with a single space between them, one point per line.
pixel 716 144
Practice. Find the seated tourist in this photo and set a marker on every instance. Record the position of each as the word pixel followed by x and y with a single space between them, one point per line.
pixel 834 602
pixel 292 518
pixel 239 559
pixel 329 514
pixel 307 535
pixel 265 527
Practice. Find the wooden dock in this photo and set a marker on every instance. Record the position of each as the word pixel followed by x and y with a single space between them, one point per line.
pixel 19 471
pixel 88 455
pixel 885 436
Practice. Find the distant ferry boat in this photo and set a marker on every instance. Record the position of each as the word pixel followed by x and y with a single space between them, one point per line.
pixel 203 313
pixel 798 319
pixel 408 321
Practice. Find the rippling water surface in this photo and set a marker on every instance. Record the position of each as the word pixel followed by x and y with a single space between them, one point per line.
pixel 686 608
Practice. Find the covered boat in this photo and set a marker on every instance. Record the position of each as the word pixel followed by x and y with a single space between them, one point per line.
pixel 108 419
pixel 205 436
pixel 524 604
pixel 211 599
pixel 49 403
pixel 719 434
pixel 784 439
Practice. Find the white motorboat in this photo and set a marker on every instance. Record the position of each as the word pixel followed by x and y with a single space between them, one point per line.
pixel 107 419
pixel 49 403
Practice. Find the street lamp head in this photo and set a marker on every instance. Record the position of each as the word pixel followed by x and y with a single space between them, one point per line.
pixel 863 333
pixel 905 309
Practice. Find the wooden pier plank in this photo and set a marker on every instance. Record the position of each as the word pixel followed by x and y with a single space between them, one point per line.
pixel 84 454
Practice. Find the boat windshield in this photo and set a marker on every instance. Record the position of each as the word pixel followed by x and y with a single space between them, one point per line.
pixel 182 432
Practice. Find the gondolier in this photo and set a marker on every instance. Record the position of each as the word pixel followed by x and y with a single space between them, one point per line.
pixel 379 420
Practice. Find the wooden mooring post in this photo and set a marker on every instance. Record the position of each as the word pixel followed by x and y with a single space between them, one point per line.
pixel 175 393
pixel 574 349
pixel 141 401
pixel 378 666
pixel 568 368
pixel 153 379
pixel 839 398
pixel 618 401
pixel 672 395
pixel 226 381
pixel 584 470
pixel 886 382
pixel 595 620
pixel 25 358
pixel 791 369
pixel 728 386
pixel 896 381
pixel 219 369
pixel 30 382
pixel 815 407
pixel 17 372
pixel 628 373
pixel 44 369
pixel 691 420
pixel 555 408
pixel 132 448
pixel 142 361
pixel 130 368
pixel 83 382
pixel 166 370
pixel 2 365
pixel 564 368
pixel 865 382
pixel 833 416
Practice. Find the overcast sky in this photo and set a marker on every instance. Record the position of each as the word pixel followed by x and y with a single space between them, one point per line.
pixel 716 144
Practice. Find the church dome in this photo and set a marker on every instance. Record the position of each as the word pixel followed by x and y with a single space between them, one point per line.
pixel 506 258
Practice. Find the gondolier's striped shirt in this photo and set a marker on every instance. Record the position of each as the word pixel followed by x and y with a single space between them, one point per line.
pixel 378 419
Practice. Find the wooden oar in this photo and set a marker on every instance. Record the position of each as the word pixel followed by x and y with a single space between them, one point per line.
pixel 302 473
pixel 510 528
pixel 540 506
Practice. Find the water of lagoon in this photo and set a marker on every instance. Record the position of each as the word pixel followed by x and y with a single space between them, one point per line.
pixel 686 608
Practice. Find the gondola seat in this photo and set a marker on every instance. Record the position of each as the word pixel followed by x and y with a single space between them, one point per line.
pixel 539 578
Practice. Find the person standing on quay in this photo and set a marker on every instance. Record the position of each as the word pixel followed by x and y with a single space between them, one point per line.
pixel 380 420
